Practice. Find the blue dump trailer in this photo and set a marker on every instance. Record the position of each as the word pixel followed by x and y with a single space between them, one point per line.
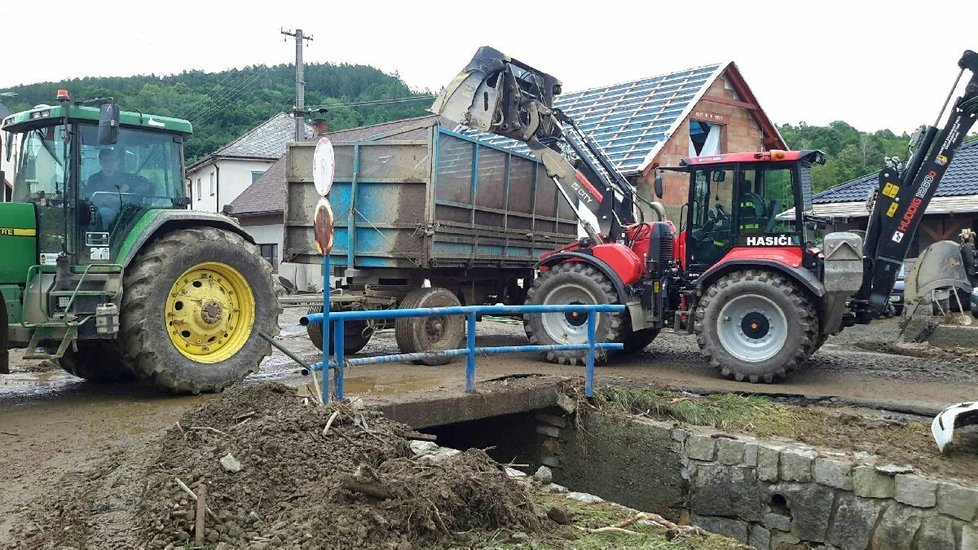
pixel 425 217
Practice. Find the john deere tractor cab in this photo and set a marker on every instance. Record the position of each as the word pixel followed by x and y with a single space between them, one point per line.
pixel 106 271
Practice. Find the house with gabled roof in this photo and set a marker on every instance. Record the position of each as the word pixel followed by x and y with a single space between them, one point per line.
pixel 656 121
pixel 217 179
pixel 953 208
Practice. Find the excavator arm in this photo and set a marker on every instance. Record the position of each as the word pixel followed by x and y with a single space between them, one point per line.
pixel 903 196
pixel 498 94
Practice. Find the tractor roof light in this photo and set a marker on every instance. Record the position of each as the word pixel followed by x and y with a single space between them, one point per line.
pixel 777 154
pixel 63 95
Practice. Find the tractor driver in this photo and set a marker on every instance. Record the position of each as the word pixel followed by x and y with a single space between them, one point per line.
pixel 109 188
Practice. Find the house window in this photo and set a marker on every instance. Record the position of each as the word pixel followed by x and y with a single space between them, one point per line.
pixel 255 176
pixel 270 253
pixel 213 188
pixel 704 138
pixel 199 190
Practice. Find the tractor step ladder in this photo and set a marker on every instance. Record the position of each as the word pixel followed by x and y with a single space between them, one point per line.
pixel 48 331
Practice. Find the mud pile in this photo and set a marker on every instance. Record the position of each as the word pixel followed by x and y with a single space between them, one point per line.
pixel 274 480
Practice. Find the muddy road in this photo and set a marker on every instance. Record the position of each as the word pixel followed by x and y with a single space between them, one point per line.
pixel 52 423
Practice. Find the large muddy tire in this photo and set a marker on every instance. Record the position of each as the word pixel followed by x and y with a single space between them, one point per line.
pixel 638 340
pixel 356 335
pixel 436 333
pixel 572 283
pixel 755 326
pixel 98 361
pixel 194 303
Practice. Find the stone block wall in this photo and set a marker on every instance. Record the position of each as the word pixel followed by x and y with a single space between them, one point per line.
pixel 766 494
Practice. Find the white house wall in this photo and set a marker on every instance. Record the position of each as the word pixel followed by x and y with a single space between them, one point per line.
pixel 231 176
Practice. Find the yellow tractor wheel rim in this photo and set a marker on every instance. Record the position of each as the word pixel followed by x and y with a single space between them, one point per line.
pixel 210 311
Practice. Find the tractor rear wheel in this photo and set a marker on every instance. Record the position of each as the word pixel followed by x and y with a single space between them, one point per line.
pixel 755 326
pixel 195 304
pixel 435 333
pixel 98 361
pixel 356 335
pixel 572 283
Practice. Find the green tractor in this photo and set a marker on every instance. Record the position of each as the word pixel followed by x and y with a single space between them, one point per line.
pixel 104 269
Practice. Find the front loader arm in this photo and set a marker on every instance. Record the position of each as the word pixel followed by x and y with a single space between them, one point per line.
pixel 903 197
pixel 498 94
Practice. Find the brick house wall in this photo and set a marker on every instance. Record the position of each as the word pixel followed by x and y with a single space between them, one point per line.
pixel 741 132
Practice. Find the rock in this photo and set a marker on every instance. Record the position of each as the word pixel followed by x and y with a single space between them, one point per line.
pixel 405 545
pixel 222 546
pixel 442 453
pixel 894 469
pixel 710 492
pixel 357 404
pixel 915 490
pixel 678 434
pixel 554 488
pixel 969 537
pixel 750 454
pixel 936 533
pixel 514 473
pixel 586 498
pixel 730 451
pixel 767 462
pixel 727 527
pixel 853 522
pixel 422 448
pixel 759 537
pixel 833 473
pixel 867 482
pixel 544 475
pixel 230 463
pixel 560 514
pixel 960 502
pixel 897 527
pixel 777 521
pixel 810 507
pixel 796 465
pixel 700 447
pixel 567 403
pixel 519 537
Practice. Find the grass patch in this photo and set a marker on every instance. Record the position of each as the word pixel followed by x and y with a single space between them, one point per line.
pixel 722 411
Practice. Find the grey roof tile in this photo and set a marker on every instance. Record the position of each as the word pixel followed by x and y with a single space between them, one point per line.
pixel 960 179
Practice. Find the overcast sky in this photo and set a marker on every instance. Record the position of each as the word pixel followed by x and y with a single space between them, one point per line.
pixel 873 64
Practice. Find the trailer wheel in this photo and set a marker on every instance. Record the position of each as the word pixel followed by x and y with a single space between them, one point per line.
pixel 97 361
pixel 638 340
pixel 356 335
pixel 194 303
pixel 572 283
pixel 755 326
pixel 436 333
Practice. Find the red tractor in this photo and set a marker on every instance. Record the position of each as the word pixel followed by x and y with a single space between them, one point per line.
pixel 745 271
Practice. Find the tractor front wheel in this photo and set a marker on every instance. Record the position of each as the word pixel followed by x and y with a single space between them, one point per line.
pixel 573 283
pixel 98 361
pixel 755 326
pixel 195 304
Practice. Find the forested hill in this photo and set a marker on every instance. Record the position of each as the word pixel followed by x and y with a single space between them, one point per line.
pixel 224 105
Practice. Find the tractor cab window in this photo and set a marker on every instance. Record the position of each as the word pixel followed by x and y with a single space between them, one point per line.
pixel 120 182
pixel 41 170
pixel 767 202
pixel 711 229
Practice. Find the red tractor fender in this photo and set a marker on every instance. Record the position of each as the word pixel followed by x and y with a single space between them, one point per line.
pixel 616 261
pixel 784 260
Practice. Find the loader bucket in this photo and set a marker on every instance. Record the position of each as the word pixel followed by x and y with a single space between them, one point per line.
pixel 472 98
pixel 938 272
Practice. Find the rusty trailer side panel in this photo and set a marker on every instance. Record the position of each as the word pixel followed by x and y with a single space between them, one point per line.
pixel 444 201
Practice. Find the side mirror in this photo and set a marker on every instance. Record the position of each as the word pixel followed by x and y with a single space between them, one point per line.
pixel 108 124
pixel 657 185
pixel 8 144
pixel 719 176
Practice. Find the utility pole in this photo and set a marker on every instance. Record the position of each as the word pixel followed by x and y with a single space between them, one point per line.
pixel 300 84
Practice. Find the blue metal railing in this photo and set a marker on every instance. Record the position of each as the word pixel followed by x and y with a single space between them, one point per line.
pixel 338 320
